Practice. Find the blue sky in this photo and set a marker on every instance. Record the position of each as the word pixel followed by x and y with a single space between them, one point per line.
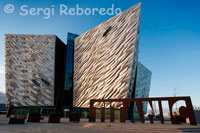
pixel 169 39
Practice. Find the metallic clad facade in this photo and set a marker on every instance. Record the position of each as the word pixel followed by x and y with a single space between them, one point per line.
pixel 30 69
pixel 105 59
pixel 143 82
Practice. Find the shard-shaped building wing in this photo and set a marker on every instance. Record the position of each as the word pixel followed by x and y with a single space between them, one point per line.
pixel 143 82
pixel 34 70
pixel 105 59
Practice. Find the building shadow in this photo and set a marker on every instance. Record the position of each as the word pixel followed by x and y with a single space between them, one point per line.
pixel 196 130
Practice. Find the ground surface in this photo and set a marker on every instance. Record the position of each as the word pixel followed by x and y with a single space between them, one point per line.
pixel 85 127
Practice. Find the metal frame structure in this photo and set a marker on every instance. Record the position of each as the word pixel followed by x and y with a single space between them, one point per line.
pixel 185 112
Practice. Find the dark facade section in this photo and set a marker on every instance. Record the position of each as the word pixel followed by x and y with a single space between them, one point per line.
pixel 69 61
pixel 59 73
pixel 131 105
pixel 68 84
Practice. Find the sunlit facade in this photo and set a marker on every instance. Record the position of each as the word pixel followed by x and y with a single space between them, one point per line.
pixel 34 70
pixel 106 58
pixel 102 63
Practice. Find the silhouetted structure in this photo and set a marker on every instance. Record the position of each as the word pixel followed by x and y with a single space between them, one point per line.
pixel 185 112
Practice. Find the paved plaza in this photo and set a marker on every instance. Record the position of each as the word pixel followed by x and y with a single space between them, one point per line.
pixel 85 127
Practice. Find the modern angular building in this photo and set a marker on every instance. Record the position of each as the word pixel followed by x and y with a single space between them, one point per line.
pixel 34 70
pixel 41 71
pixel 106 58
pixel 142 88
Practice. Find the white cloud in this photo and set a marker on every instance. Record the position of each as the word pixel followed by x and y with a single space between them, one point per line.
pixel 2 86
pixel 2 70
pixel 2 79
pixel 2 91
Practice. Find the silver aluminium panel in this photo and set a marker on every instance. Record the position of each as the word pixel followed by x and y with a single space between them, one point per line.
pixel 30 72
pixel 105 59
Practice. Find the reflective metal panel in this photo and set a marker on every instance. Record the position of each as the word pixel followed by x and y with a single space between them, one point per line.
pixel 30 61
pixel 105 59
